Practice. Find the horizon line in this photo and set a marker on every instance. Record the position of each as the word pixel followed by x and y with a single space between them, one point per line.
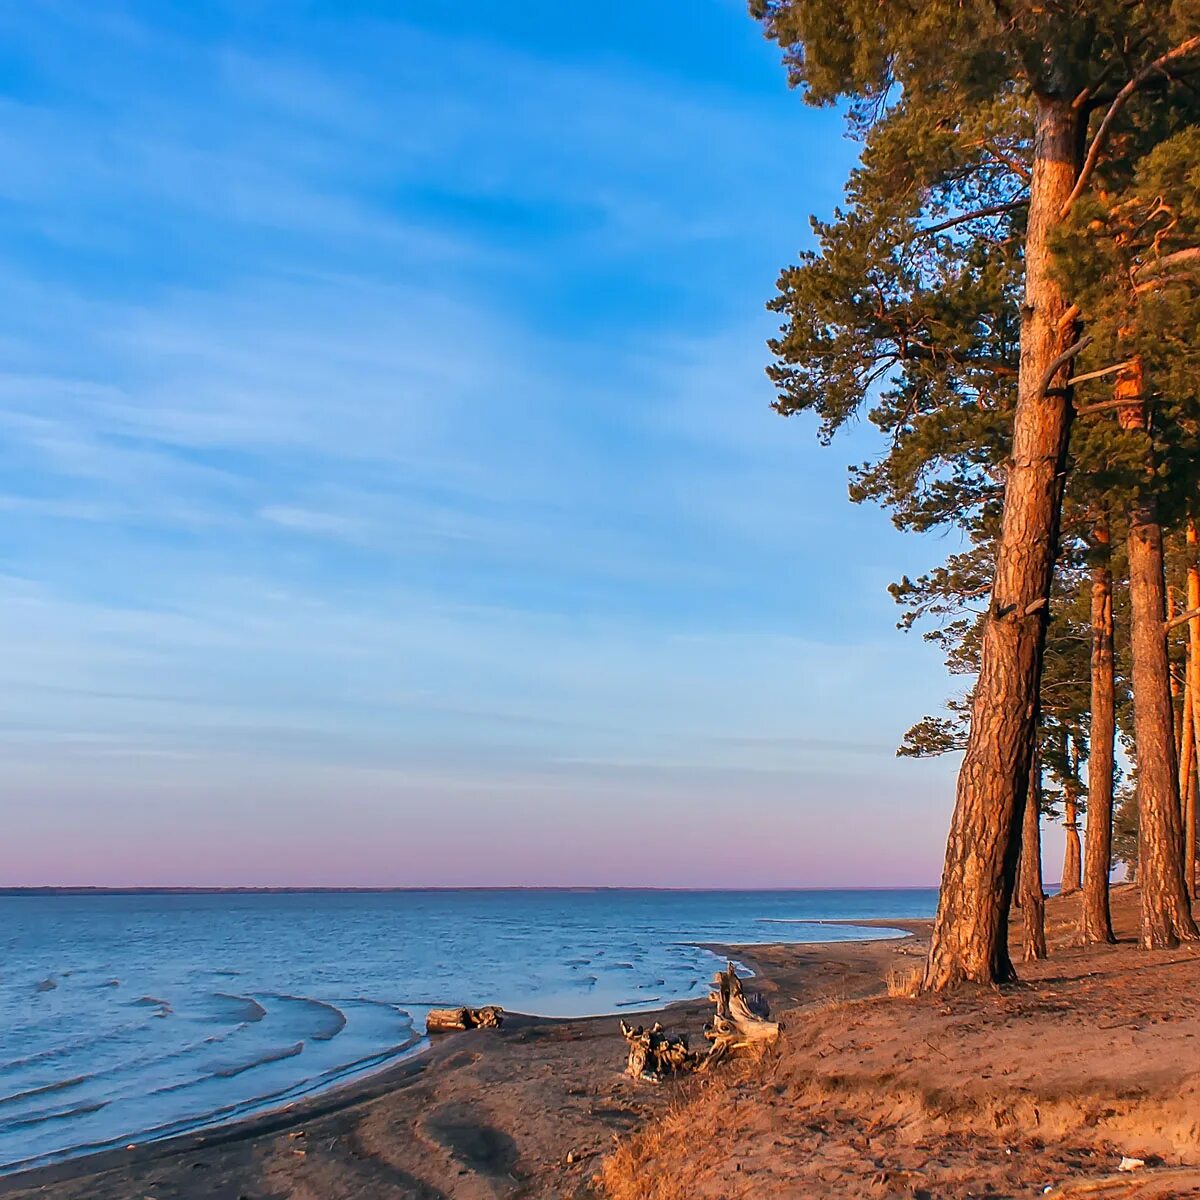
pixel 252 889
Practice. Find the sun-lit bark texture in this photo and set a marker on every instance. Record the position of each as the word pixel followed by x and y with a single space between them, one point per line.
pixel 970 937
pixel 1166 912
pixel 1193 675
pixel 1166 907
pixel 1096 923
pixel 1029 890
pixel 1072 878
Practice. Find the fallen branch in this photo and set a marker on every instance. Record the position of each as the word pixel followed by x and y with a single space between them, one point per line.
pixel 450 1020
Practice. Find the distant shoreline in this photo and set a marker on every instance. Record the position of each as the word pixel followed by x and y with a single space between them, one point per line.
pixel 583 889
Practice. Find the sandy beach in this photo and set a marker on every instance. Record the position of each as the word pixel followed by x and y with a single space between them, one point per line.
pixel 1048 1084
pixel 483 1114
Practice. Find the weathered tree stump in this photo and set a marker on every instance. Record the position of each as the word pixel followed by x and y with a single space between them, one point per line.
pixel 450 1020
pixel 654 1054
pixel 740 1021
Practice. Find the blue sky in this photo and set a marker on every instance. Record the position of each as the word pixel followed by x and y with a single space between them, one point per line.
pixel 390 490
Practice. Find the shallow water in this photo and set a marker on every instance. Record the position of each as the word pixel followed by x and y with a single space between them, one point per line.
pixel 124 1018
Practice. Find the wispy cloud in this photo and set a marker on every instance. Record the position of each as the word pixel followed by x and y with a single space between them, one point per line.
pixel 381 411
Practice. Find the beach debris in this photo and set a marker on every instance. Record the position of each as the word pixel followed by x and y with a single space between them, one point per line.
pixel 46 985
pixel 741 1021
pixel 1131 1164
pixel 450 1020
pixel 655 1054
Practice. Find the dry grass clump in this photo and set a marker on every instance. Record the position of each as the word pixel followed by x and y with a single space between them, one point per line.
pixel 693 1125
pixel 903 982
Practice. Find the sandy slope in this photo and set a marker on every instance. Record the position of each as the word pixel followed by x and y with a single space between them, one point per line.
pixel 1094 1056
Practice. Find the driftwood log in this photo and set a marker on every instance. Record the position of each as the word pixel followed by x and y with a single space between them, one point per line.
pixel 449 1020
pixel 654 1054
pixel 739 1022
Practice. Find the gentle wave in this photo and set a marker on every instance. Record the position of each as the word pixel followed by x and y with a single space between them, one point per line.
pixel 253 1013
pixel 67 1048
pixel 332 1019
pixel 259 1060
pixel 326 987
pixel 246 1009
pixel 41 1116
pixel 227 1113
pixel 57 1086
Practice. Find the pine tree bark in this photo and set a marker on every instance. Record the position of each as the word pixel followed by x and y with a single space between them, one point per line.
pixel 1186 749
pixel 1072 872
pixel 970 936
pixel 1189 834
pixel 1166 910
pixel 1166 906
pixel 1072 878
pixel 1030 892
pixel 1096 924
pixel 1193 668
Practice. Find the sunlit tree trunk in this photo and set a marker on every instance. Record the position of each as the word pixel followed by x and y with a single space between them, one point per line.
pixel 1072 878
pixel 1029 890
pixel 1193 677
pixel 970 936
pixel 1186 750
pixel 1166 907
pixel 1096 923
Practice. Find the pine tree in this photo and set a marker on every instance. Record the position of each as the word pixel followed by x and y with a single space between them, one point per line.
pixel 1133 251
pixel 975 118
pixel 1095 926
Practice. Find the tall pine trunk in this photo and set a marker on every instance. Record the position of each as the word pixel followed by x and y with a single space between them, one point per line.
pixel 1186 750
pixel 1096 924
pixel 1187 779
pixel 1166 911
pixel 1189 834
pixel 1072 878
pixel 1166 906
pixel 1029 890
pixel 970 935
pixel 1193 675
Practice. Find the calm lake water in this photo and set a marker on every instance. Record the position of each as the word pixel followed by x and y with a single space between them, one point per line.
pixel 126 1018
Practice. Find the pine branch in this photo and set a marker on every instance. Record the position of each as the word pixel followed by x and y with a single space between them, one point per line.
pixel 1181 619
pixel 1098 142
pixel 1098 374
pixel 993 210
pixel 1082 410
pixel 1068 355
pixel 1177 263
